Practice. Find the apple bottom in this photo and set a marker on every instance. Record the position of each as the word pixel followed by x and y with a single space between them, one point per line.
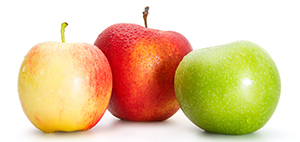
pixel 58 107
pixel 143 101
pixel 62 109
pixel 141 110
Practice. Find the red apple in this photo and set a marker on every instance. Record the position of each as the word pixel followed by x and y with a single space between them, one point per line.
pixel 64 86
pixel 143 63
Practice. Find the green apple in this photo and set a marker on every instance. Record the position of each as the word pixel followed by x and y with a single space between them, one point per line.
pixel 228 89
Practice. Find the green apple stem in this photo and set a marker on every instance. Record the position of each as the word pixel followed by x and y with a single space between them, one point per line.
pixel 62 31
pixel 145 14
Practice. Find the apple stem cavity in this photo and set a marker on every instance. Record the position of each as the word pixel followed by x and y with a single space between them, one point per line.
pixel 145 14
pixel 62 31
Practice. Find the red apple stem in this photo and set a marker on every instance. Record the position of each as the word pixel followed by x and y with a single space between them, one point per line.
pixel 62 31
pixel 145 14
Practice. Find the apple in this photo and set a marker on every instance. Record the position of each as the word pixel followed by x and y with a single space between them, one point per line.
pixel 64 86
pixel 228 89
pixel 143 63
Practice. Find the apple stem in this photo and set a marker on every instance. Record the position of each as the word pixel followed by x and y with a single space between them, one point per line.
pixel 145 14
pixel 62 31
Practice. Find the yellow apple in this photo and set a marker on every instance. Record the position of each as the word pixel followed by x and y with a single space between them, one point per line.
pixel 64 86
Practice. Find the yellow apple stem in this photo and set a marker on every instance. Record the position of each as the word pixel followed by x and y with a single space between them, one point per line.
pixel 145 14
pixel 62 31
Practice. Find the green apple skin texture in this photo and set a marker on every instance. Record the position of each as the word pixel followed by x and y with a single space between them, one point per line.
pixel 228 89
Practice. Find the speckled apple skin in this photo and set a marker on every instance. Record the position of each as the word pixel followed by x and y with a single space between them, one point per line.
pixel 64 86
pixel 143 63
pixel 228 89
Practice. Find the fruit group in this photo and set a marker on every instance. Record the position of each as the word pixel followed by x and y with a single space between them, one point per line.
pixel 64 86
pixel 228 89
pixel 143 63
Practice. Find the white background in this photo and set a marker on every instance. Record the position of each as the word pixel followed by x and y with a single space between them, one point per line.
pixel 274 25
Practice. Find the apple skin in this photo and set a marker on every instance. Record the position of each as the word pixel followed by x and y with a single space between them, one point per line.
pixel 228 89
pixel 143 63
pixel 64 86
